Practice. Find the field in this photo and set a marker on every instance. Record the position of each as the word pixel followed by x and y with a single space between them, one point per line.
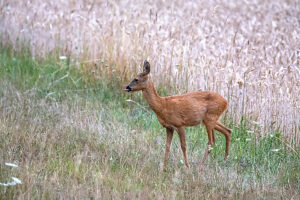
pixel 246 51
pixel 75 137
pixel 74 134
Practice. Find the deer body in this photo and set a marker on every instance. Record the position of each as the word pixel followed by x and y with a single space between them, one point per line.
pixel 177 112
pixel 185 110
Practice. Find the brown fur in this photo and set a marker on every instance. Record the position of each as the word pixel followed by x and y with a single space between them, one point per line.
pixel 177 112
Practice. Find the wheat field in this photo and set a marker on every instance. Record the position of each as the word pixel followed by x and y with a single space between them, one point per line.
pixel 248 51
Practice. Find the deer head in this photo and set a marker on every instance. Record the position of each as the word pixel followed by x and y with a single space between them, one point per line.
pixel 140 81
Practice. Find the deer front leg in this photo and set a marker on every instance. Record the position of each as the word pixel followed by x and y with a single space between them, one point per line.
pixel 170 132
pixel 181 133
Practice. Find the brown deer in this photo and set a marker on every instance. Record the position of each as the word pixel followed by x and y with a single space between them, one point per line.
pixel 177 112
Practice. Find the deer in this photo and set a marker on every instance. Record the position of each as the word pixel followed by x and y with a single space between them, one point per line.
pixel 175 113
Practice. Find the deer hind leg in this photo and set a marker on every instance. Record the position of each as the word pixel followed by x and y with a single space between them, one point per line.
pixel 227 133
pixel 170 132
pixel 213 137
pixel 211 142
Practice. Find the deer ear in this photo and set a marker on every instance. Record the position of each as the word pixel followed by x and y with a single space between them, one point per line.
pixel 146 67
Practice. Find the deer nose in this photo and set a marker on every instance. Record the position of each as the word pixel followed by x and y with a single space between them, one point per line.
pixel 128 89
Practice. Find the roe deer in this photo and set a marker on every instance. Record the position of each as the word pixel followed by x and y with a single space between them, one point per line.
pixel 177 112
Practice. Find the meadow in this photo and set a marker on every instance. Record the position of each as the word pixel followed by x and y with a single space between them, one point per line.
pixel 74 134
pixel 76 137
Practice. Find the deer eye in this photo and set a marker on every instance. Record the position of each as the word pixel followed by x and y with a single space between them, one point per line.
pixel 135 80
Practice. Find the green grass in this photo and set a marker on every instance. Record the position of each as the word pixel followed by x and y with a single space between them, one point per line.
pixel 76 137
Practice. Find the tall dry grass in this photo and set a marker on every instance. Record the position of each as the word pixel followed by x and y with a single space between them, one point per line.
pixel 84 149
pixel 246 50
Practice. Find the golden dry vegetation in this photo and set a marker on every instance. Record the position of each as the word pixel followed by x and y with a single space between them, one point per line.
pixel 76 137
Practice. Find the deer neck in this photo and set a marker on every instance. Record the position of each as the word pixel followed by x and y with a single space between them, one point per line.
pixel 154 100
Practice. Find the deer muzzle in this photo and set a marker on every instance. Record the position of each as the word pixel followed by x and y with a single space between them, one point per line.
pixel 128 89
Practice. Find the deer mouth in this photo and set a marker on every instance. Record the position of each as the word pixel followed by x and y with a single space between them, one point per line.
pixel 128 89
